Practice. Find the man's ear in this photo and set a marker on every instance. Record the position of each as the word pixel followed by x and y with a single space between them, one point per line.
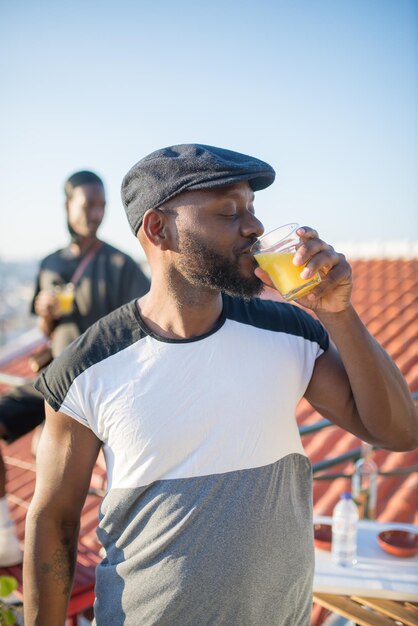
pixel 156 227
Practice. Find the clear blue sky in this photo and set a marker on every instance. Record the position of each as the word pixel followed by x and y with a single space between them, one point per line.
pixel 324 90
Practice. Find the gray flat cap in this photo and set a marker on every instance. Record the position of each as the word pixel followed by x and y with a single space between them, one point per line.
pixel 167 172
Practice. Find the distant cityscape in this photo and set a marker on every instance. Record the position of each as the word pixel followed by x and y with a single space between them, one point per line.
pixel 17 281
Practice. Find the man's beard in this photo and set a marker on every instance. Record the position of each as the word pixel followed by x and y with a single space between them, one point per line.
pixel 203 267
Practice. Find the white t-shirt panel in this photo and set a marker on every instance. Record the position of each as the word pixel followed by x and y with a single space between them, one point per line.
pixel 228 401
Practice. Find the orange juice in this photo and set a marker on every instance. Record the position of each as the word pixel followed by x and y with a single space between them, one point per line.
pixel 65 299
pixel 286 276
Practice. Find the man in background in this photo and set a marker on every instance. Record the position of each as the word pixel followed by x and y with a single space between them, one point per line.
pixel 101 279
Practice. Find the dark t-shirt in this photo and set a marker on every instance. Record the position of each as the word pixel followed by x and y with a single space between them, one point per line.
pixel 111 279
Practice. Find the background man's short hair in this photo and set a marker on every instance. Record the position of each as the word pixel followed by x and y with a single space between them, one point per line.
pixel 84 177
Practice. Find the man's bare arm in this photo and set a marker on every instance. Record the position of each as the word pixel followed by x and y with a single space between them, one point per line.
pixel 66 455
pixel 356 385
pixel 360 388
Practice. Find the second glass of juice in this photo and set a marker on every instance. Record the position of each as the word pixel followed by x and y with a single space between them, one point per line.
pixel 64 295
pixel 274 253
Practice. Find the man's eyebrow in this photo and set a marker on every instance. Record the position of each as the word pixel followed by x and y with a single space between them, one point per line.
pixel 233 192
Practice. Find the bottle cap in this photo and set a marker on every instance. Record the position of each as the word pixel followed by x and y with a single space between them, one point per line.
pixel 346 495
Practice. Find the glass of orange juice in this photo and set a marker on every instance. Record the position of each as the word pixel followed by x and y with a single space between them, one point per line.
pixel 64 296
pixel 274 253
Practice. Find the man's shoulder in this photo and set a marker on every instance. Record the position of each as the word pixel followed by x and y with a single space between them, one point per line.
pixel 105 338
pixel 122 260
pixel 262 311
pixel 110 250
pixel 109 334
pixel 271 315
pixel 53 257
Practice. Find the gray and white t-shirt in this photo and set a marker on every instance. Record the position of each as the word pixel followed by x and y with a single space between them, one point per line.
pixel 208 515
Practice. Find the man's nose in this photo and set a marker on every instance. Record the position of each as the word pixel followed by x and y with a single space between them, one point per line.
pixel 251 226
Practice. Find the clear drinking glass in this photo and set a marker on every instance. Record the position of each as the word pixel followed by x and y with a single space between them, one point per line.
pixel 274 253
pixel 64 296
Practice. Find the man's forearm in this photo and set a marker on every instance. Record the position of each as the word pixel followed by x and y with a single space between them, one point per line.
pixel 48 570
pixel 47 325
pixel 380 392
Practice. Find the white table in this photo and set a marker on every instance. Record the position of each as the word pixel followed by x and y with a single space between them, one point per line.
pixel 380 590
pixel 376 574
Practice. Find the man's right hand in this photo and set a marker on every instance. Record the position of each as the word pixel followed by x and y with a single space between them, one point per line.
pixel 46 308
pixel 46 305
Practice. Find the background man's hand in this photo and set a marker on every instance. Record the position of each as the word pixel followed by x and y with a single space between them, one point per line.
pixel 46 305
pixel 47 309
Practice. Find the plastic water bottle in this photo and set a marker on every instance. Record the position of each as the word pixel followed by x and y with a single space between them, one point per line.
pixel 344 531
pixel 364 484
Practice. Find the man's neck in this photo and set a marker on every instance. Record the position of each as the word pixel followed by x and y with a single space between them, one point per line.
pixel 180 318
pixel 82 245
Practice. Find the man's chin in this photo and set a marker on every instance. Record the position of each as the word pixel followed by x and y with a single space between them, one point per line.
pixel 246 289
